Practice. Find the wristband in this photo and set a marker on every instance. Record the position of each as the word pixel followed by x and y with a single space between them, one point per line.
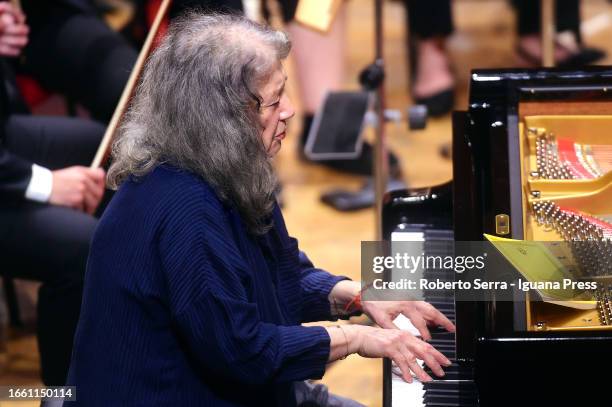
pixel 355 302
pixel 347 343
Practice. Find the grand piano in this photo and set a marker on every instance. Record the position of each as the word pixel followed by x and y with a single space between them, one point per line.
pixel 532 160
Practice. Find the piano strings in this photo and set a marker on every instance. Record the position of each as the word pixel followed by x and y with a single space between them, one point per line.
pixel 562 158
pixel 590 239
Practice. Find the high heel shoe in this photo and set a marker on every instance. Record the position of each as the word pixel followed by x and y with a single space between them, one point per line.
pixel 439 103
pixel 583 56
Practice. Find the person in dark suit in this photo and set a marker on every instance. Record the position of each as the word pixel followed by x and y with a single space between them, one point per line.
pixel 72 51
pixel 47 200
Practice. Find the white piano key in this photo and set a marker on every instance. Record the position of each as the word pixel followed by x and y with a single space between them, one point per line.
pixel 406 394
pixel 402 322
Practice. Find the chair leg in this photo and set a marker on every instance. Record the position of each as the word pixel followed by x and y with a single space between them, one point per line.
pixel 11 302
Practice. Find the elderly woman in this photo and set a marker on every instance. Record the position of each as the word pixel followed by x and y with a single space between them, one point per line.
pixel 195 291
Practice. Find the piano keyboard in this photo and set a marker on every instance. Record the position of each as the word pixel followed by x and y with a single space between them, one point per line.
pixel 456 388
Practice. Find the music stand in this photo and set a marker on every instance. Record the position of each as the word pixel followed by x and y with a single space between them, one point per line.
pixel 336 131
pixel 372 80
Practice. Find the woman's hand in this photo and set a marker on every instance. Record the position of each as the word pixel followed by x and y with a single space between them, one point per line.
pixel 383 313
pixel 400 346
pixel 420 313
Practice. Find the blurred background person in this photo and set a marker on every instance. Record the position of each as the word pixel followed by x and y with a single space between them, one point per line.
pixel 431 23
pixel 570 52
pixel 47 202
pixel 71 50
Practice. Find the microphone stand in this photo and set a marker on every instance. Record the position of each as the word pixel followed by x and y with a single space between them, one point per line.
pixel 381 158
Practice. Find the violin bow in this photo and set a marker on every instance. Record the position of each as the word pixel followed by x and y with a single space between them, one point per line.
pixel 103 152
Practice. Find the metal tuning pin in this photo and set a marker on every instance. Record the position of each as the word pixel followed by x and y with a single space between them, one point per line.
pixel 548 162
pixel 590 240
pixel 602 311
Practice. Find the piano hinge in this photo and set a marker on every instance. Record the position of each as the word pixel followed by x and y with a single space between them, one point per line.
pixel 502 224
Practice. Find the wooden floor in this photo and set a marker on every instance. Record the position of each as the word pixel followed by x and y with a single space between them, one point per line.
pixel 484 38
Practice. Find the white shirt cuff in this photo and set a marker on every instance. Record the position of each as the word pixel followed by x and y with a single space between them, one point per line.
pixel 41 184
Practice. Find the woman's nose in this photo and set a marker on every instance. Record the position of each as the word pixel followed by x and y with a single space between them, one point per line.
pixel 287 109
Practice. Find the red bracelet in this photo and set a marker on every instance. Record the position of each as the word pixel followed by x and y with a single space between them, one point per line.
pixel 356 302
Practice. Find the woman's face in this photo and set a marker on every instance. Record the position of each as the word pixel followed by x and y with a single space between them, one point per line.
pixel 274 111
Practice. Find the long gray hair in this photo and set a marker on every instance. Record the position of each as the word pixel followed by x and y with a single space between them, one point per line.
pixel 197 108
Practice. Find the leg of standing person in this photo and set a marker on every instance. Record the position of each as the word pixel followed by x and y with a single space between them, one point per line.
pixel 50 243
pixel 567 53
pixel 529 16
pixel 320 68
pixel 430 23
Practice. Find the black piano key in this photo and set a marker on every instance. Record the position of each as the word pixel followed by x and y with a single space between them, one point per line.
pixel 451 404
pixel 447 398
pixel 442 297
pixel 445 350
pixel 442 307
pixel 449 375
pixel 442 345
pixel 447 386
pixel 443 336
pixel 451 391
pixel 436 337
pixel 461 397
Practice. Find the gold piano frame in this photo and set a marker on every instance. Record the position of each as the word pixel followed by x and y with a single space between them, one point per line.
pixel 589 125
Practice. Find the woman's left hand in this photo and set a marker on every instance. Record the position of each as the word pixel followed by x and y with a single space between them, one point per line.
pixel 420 313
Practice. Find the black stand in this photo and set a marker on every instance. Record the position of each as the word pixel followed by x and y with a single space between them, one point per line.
pixel 373 190
pixel 372 79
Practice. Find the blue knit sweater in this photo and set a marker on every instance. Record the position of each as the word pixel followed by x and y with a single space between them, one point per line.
pixel 182 307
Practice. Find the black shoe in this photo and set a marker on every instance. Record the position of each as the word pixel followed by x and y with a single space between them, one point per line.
pixel 446 151
pixel 439 104
pixel 584 56
pixel 347 201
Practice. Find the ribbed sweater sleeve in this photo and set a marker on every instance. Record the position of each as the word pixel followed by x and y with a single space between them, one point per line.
pixel 316 285
pixel 221 327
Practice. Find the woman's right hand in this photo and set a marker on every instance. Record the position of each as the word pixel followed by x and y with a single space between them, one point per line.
pixel 400 346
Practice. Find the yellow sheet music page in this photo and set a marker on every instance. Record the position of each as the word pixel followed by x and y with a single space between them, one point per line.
pixel 544 262
pixel 317 14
